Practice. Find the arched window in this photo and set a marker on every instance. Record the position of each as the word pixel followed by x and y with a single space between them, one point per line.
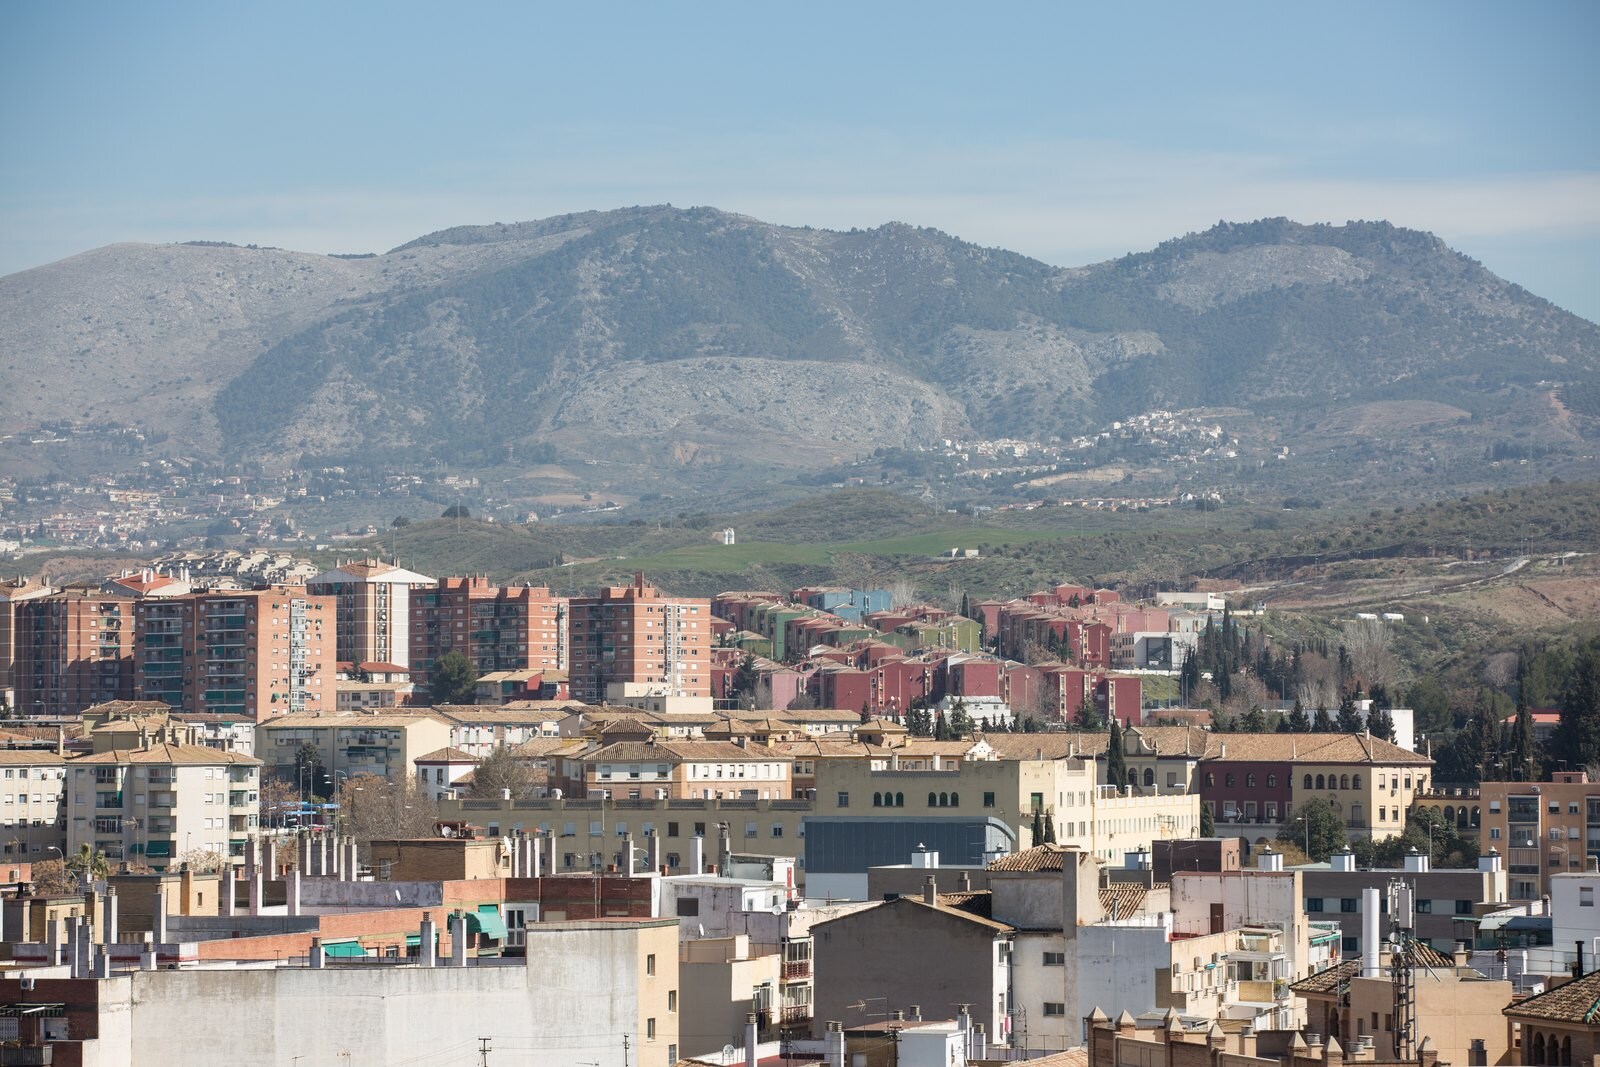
pixel 1228 779
pixel 955 800
pixel 1566 1050
pixel 1538 1048
pixel 1308 781
pixel 1149 776
pixel 1474 816
pixel 899 800
pixel 1319 781
pixel 1344 781
pixel 1133 776
pixel 933 800
pixel 1355 781
pixel 1211 779
pixel 1272 781
pixel 1250 781
pixel 877 800
pixel 944 800
pixel 1355 815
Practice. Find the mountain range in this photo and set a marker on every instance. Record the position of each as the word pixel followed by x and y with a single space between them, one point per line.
pixel 665 337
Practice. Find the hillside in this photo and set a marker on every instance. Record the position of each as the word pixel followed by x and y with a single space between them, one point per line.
pixel 718 350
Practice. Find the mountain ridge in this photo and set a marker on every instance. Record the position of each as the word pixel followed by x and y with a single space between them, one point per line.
pixel 693 336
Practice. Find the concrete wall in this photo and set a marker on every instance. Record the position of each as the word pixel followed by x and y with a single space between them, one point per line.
pixel 585 989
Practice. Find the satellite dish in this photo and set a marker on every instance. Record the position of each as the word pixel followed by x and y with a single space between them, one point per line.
pixel 505 844
pixel 727 1052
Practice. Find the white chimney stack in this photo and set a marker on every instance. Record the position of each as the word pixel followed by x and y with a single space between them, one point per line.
pixel 1370 943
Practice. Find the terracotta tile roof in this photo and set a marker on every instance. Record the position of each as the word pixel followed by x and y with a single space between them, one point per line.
pixel 512 714
pixel 541 747
pixel 1309 748
pixel 976 902
pixel 1037 858
pixel 962 913
pixel 392 719
pixel 447 755
pixel 1122 899
pixel 1578 1001
pixel 1054 745
pixel 30 757
pixel 126 708
pixel 165 753
pixel 1328 981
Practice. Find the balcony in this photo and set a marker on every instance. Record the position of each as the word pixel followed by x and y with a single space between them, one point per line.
pixel 793 969
pixel 796 1013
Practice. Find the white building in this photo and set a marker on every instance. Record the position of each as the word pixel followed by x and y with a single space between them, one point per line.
pixel 155 804
pixel 31 818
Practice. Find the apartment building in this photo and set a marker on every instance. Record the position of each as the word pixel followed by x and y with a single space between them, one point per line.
pixel 156 803
pixel 73 649
pixel 1542 828
pixel 634 640
pixel 14 591
pixel 251 653
pixel 480 730
pixel 635 770
pixel 352 745
pixel 498 628
pixel 1447 899
pixel 373 609
pixel 32 821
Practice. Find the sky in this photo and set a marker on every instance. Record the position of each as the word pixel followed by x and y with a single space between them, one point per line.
pixel 1069 132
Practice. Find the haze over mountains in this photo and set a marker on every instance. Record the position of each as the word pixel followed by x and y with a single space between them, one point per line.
pixel 658 335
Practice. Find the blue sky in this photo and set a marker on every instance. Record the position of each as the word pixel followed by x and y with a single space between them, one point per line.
pixel 1068 132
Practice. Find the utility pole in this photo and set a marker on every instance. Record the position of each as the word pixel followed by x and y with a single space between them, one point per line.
pixel 483 1052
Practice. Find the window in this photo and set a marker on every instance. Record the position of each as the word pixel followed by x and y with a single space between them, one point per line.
pixel 1586 896
pixel 672 1053
pixel 1319 781
pixel 1424 906
pixel 1313 903
pixel 650 964
pixel 1250 781
pixel 1211 779
pixel 672 1000
pixel 650 1029
pixel 688 906
pixel 844 800
pixel 1308 781
pixel 1228 780
pixel 1463 907
pixel 1054 1008
pixel 1272 781
pixel 1494 833
pixel 1348 905
pixel 988 800
pixel 1055 959
pixel 750 830
pixel 777 829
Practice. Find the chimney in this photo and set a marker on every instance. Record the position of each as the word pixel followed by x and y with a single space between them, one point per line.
pixel 750 1055
pixel 1370 941
pixel 915 1013
pixel 930 892
pixel 1416 862
pixel 317 953
pixel 1343 860
pixel 1489 862
pixel 427 943
pixel 1270 859
pixel 61 740
pixel 980 1043
pixel 458 940
pixel 291 892
pixel 627 848
pixel 964 882
pixel 833 1044
pixel 111 923
pixel 697 855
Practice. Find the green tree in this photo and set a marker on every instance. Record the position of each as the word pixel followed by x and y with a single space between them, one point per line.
pixel 1208 822
pixel 1038 826
pixel 452 679
pixel 1049 827
pixel 1087 717
pixel 1322 722
pixel 1350 721
pixel 1381 723
pixel 1116 762
pixel 1522 749
pixel 311 778
pixel 1315 827
pixel 1577 738
pixel 88 864
pixel 1254 721
pixel 1299 721
pixel 746 679
pixel 457 511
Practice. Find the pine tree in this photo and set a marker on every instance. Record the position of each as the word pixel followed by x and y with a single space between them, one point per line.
pixel 1381 723
pixel 1322 722
pixel 1038 826
pixel 1299 721
pixel 1208 822
pixel 1049 828
pixel 1350 721
pixel 1577 738
pixel 1086 718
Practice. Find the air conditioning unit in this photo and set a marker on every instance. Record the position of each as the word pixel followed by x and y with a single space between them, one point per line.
pixel 27 985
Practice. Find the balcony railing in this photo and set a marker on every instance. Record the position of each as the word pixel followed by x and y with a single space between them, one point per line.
pixel 796 969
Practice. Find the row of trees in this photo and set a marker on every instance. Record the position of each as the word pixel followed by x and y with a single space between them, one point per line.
pixel 1318 830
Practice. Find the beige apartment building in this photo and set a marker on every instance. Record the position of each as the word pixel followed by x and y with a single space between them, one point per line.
pixel 373 609
pixel 32 821
pixel 1541 828
pixel 74 649
pixel 640 641
pixel 644 770
pixel 253 653
pixel 351 745
pixel 13 592
pixel 157 803
pixel 498 628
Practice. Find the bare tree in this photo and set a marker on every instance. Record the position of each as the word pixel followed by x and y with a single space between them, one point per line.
pixel 902 592
pixel 372 808
pixel 277 797
pixel 202 861
pixel 1370 643
pixel 499 772
pixel 1500 669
